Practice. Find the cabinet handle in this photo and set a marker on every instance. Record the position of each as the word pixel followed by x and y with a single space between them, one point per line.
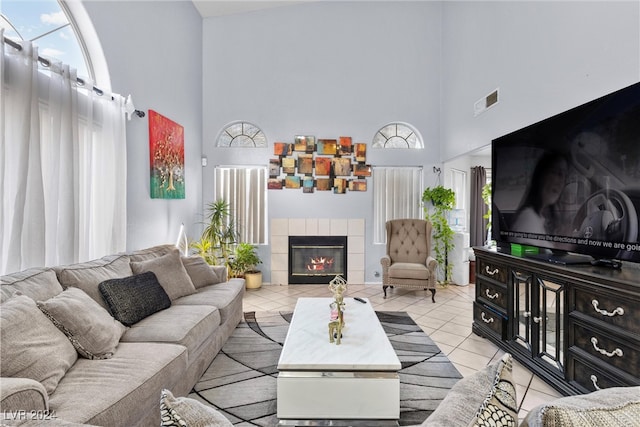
pixel 618 311
pixel 526 314
pixel 494 296
pixel 617 352
pixel 537 319
pixel 484 319
pixel 594 380
pixel 491 272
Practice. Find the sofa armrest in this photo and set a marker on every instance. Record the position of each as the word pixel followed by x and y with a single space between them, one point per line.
pixel 22 394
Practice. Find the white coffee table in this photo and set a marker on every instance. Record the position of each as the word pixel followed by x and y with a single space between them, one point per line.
pixel 319 381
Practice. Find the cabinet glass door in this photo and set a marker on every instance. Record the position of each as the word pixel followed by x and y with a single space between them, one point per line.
pixel 549 318
pixel 522 308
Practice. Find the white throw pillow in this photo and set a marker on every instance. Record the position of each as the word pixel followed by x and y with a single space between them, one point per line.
pixel 183 411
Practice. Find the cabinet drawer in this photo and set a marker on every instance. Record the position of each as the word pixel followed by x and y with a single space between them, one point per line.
pixel 616 311
pixel 606 347
pixel 491 293
pixel 492 270
pixel 490 320
pixel 590 377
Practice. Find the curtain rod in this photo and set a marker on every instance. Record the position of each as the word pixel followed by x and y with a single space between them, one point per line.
pixel 47 63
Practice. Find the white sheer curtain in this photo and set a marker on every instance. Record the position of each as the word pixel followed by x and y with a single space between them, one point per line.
pixel 397 193
pixel 245 189
pixel 62 165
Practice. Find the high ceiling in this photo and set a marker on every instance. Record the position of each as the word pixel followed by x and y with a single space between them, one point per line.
pixel 208 8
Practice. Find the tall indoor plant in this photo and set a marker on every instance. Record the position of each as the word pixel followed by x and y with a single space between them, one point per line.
pixel 219 234
pixel 486 197
pixel 438 201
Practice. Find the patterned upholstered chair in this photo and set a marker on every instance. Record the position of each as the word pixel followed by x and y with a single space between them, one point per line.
pixel 408 263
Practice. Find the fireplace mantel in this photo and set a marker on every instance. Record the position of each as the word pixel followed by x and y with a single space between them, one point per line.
pixel 282 228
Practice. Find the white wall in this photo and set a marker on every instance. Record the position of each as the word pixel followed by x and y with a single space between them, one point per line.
pixel 347 68
pixel 153 50
pixel 545 57
pixel 325 69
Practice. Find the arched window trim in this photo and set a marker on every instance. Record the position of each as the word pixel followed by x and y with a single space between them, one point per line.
pixel 89 43
pixel 380 140
pixel 252 137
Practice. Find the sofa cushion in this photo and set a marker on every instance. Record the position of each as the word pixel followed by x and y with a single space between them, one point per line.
pixel 133 298
pixel 150 253
pixel 88 275
pixel 90 328
pixel 36 283
pixel 170 273
pixel 190 326
pixel 220 296
pixel 485 398
pixel 616 406
pixel 28 342
pixel 201 273
pixel 183 411
pixel 405 270
pixel 120 391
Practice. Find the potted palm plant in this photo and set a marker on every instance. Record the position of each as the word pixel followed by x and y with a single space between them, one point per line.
pixel 243 263
pixel 219 235
pixel 438 201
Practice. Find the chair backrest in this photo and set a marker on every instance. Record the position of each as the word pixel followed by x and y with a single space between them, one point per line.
pixel 408 240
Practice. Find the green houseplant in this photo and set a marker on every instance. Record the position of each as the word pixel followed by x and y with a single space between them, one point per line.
pixel 486 197
pixel 245 258
pixel 438 201
pixel 219 235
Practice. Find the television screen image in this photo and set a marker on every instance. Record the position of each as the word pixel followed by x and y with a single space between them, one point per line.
pixel 572 182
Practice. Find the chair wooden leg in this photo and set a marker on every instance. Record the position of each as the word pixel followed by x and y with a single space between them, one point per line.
pixel 433 295
pixel 384 289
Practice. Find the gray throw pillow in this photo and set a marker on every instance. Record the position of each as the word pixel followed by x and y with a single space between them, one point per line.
pixel 199 271
pixel 31 346
pixel 485 398
pixel 170 272
pixel 133 298
pixel 183 411
pixel 90 328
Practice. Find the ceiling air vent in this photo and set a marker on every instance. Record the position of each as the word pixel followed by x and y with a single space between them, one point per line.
pixel 483 104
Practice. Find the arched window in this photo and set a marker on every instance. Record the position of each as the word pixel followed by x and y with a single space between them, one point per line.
pixel 241 134
pixel 61 30
pixel 397 135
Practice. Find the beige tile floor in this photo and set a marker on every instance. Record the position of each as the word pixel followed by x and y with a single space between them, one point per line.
pixel 447 321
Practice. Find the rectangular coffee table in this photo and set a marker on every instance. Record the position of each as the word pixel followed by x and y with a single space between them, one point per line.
pixel 320 383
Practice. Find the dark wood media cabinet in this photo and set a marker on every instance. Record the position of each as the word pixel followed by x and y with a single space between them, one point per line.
pixel 577 327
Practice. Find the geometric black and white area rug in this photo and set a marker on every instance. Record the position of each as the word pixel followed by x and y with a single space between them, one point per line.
pixel 241 381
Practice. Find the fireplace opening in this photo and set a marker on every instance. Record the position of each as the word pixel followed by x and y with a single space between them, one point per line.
pixel 317 259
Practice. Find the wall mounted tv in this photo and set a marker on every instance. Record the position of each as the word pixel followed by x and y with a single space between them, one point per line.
pixel 571 183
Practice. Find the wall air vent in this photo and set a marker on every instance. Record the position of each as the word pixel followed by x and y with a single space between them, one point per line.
pixel 483 104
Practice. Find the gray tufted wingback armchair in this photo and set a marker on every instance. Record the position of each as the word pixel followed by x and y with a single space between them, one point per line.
pixel 408 263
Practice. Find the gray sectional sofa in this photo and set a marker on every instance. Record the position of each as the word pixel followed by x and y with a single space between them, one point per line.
pixel 125 348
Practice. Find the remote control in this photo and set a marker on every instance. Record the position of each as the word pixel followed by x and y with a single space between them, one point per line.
pixel 360 300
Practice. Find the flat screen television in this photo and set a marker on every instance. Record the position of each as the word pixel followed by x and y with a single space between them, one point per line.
pixel 570 184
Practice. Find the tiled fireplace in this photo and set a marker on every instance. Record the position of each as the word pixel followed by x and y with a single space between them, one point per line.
pixel 316 260
pixel 284 228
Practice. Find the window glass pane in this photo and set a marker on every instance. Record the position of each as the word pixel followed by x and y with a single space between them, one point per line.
pixel 459 186
pixel 46 24
pixel 241 134
pixel 397 135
